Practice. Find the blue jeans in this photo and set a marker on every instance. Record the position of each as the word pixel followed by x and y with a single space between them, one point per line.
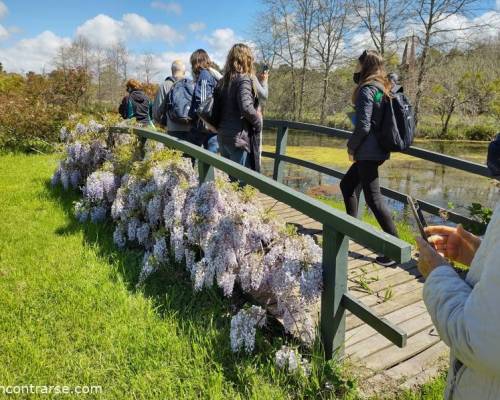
pixel 237 155
pixel 206 140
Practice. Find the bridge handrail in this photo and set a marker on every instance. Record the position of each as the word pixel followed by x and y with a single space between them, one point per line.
pixel 338 227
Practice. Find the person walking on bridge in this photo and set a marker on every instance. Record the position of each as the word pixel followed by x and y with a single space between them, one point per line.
pixel 136 104
pixel 363 148
pixel 163 107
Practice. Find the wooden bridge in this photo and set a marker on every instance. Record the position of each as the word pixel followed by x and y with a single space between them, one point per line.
pixel 373 316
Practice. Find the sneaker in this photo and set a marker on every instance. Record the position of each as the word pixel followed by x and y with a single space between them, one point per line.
pixel 385 261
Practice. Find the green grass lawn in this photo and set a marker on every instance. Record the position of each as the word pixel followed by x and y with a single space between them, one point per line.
pixel 71 313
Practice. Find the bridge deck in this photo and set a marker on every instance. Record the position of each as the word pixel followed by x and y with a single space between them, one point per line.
pixel 394 293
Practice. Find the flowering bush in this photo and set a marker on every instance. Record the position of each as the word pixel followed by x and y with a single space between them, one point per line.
pixel 217 230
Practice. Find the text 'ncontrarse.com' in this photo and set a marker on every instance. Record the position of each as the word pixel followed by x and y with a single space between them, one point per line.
pixel 49 389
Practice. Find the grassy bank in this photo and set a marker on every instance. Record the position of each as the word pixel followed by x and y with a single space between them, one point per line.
pixel 72 315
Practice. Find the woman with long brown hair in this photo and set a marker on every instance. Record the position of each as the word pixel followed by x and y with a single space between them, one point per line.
pixel 363 147
pixel 240 120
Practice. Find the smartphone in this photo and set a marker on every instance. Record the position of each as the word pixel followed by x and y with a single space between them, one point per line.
pixel 419 217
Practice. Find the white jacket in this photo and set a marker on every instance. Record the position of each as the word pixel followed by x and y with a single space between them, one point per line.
pixel 467 317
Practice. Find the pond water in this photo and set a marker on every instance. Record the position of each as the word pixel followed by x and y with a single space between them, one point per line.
pixel 444 186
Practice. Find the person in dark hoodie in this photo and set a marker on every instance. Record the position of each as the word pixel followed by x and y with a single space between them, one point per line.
pixel 240 119
pixel 205 77
pixel 372 84
pixel 136 104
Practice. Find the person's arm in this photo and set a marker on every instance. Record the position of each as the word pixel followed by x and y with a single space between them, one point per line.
pixel 467 318
pixel 245 98
pixel 364 110
pixel 261 87
pixel 122 109
pixel 159 100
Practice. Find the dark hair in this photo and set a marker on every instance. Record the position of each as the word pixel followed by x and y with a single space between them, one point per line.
pixel 372 69
pixel 199 60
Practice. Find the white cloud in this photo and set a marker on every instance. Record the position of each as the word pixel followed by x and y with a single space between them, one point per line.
pixel 220 41
pixel 3 9
pixel 34 54
pixel 172 7
pixel 102 30
pixel 161 65
pixel 199 26
pixel 106 31
pixel 4 33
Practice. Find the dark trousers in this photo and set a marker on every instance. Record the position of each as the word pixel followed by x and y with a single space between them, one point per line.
pixel 364 175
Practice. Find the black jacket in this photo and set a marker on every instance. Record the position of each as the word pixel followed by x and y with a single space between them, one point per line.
pixel 136 105
pixel 363 143
pixel 240 123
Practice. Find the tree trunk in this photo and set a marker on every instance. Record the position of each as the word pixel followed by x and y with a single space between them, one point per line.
pixel 423 60
pixel 324 96
pixel 444 131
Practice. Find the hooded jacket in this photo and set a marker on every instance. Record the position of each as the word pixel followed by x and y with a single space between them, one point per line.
pixel 466 313
pixel 136 105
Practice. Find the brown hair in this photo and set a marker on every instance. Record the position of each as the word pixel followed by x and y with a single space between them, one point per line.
pixel 199 60
pixel 372 70
pixel 239 61
pixel 133 84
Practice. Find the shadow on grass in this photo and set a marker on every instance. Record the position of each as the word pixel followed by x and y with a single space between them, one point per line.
pixel 172 293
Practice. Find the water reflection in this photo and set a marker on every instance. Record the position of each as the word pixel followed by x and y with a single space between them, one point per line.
pixel 444 186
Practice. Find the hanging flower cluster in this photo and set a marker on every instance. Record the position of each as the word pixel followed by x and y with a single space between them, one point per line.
pixel 217 230
pixel 289 359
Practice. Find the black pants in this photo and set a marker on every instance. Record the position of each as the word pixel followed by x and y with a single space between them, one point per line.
pixel 364 175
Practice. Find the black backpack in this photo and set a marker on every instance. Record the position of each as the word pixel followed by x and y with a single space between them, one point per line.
pixel 178 101
pixel 493 161
pixel 397 129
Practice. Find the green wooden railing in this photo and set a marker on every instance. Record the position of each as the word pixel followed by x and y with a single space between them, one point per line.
pixel 280 158
pixel 338 227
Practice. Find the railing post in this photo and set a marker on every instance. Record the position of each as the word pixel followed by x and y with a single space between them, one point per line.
pixel 332 319
pixel 205 172
pixel 281 141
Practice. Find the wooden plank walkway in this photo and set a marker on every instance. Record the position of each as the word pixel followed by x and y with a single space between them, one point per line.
pixel 392 292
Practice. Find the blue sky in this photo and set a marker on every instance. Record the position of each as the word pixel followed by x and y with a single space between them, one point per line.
pixel 32 31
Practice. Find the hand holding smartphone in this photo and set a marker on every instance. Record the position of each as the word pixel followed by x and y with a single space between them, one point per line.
pixel 419 217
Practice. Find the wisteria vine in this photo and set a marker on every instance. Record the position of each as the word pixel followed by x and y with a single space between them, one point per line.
pixel 217 230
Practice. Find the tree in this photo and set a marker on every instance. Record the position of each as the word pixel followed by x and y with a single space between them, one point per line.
pixel 330 27
pixel 278 18
pixel 432 15
pixel 305 11
pixel 383 19
pixel 148 67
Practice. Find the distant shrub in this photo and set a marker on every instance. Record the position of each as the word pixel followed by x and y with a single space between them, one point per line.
pixel 480 132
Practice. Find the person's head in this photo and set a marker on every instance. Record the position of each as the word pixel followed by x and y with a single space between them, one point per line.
pixel 178 69
pixel 393 78
pixel 370 68
pixel 132 85
pixel 239 60
pixel 200 60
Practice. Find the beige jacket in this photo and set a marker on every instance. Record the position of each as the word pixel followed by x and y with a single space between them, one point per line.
pixel 467 317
